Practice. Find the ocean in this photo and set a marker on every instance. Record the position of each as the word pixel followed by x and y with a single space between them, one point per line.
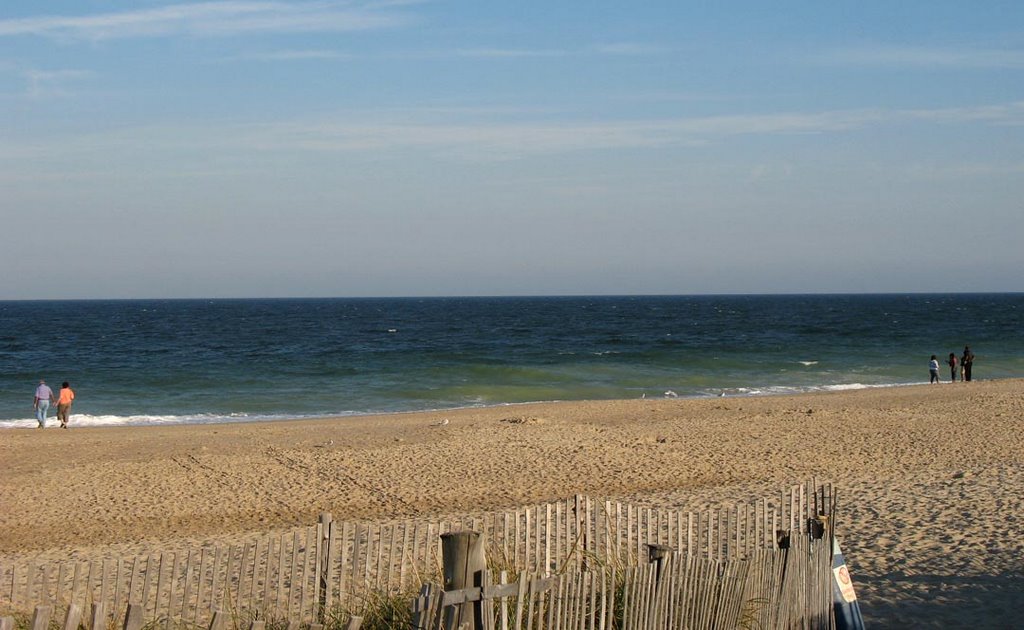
pixel 145 362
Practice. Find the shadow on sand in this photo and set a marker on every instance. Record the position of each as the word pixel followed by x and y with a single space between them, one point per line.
pixel 898 600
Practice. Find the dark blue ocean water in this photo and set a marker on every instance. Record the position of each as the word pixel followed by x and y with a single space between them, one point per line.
pixel 174 361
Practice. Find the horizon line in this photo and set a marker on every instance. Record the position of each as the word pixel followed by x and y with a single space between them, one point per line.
pixel 510 296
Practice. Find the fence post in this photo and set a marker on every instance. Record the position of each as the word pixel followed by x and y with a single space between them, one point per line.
pixel 782 538
pixel 817 526
pixel 324 579
pixel 583 530
pixel 464 564
pixel 658 555
pixel 6 623
pixel 354 623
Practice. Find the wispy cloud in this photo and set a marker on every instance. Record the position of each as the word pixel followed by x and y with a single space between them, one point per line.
pixel 51 83
pixel 374 134
pixel 519 139
pixel 509 52
pixel 211 19
pixel 668 96
pixel 632 48
pixel 497 53
pixel 292 55
pixel 925 57
pixel 1011 114
pixel 945 172
pixel 619 48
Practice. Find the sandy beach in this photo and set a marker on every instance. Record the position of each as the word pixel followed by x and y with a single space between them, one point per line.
pixel 930 479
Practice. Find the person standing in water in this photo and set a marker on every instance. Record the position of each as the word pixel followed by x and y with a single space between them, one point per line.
pixel 933 369
pixel 967 361
pixel 64 404
pixel 44 396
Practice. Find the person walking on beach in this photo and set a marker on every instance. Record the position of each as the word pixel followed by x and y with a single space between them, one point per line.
pixel 44 396
pixel 951 362
pixel 64 404
pixel 967 361
pixel 933 369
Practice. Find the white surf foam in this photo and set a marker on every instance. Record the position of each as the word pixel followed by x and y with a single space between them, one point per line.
pixel 86 420
pixel 847 386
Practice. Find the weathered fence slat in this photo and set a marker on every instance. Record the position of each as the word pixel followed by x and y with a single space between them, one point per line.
pixel 41 617
pixel 133 617
pixel 72 617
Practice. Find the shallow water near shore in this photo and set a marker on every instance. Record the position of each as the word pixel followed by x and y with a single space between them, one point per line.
pixel 135 362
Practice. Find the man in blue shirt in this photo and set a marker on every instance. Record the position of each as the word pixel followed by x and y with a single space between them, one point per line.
pixel 44 396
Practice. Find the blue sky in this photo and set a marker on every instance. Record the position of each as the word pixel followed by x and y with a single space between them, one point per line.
pixel 231 149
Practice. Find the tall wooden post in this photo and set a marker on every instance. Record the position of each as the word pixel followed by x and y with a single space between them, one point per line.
pixel 464 564
pixel 326 574
pixel 658 555
pixel 818 526
pixel 583 531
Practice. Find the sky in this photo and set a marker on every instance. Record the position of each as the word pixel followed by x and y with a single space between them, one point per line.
pixel 153 149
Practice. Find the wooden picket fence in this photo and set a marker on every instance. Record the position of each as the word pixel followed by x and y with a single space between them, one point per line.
pixel 300 575
pixel 771 588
